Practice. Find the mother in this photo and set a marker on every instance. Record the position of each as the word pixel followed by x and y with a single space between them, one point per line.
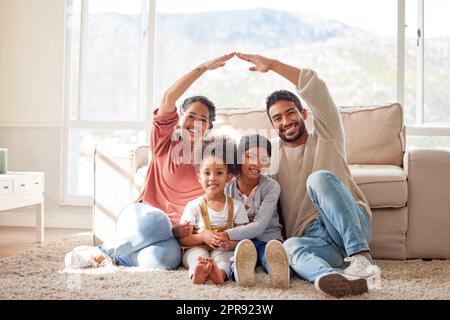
pixel 146 230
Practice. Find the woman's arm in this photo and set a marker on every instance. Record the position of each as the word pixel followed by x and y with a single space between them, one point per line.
pixel 209 238
pixel 192 240
pixel 181 85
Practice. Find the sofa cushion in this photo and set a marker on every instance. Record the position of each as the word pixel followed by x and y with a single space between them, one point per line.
pixel 236 122
pixel 384 186
pixel 374 135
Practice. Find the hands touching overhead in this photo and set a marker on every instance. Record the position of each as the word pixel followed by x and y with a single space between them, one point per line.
pixel 260 63
pixel 215 63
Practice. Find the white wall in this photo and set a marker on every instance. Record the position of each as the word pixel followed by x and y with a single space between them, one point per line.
pixel 31 101
pixel 31 62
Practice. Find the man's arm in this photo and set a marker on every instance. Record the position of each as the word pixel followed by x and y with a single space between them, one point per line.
pixel 181 85
pixel 327 120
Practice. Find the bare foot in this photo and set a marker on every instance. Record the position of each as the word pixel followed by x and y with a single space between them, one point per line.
pixel 201 271
pixel 217 275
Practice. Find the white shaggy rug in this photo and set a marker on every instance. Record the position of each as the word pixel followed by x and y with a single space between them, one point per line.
pixel 40 274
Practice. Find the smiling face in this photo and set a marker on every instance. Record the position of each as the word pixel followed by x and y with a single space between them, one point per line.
pixel 195 122
pixel 253 163
pixel 213 175
pixel 288 120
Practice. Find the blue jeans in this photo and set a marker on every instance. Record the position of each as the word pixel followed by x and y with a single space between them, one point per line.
pixel 261 250
pixel 261 259
pixel 143 239
pixel 342 229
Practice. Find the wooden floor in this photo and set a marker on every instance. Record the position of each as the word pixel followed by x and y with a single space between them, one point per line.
pixel 16 239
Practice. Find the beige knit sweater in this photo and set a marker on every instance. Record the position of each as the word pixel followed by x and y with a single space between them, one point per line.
pixel 323 150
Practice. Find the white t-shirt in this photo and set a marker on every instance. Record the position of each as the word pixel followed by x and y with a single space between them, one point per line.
pixel 192 213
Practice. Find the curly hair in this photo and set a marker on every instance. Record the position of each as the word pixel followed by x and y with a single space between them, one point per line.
pixel 208 103
pixel 222 147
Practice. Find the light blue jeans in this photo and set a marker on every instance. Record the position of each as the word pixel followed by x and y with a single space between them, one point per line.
pixel 342 229
pixel 143 239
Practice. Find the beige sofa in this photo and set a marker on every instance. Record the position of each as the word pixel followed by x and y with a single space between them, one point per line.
pixel 409 192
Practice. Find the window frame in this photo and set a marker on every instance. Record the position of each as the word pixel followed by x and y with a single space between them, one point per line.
pixel 421 128
pixel 148 85
pixel 146 89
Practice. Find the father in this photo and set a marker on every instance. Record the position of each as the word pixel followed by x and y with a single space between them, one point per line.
pixel 326 216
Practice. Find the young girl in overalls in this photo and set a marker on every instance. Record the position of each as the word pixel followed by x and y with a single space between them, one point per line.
pixel 205 254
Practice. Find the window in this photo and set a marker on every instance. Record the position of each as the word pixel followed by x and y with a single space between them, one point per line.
pixel 427 76
pixel 428 142
pixel 107 87
pixel 355 46
pixel 436 62
pixel 351 50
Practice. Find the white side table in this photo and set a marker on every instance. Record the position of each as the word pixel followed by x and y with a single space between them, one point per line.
pixel 20 189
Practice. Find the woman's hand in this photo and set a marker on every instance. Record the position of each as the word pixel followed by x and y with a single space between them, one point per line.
pixel 182 230
pixel 260 63
pixel 177 89
pixel 215 63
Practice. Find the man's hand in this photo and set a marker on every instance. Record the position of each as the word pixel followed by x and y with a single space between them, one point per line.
pixel 212 239
pixel 261 64
pixel 182 230
pixel 215 63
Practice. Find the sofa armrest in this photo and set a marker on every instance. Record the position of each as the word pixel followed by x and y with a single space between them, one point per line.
pixel 428 233
pixel 113 186
pixel 142 156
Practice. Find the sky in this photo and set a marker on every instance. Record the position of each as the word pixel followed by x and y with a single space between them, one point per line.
pixel 378 16
pixel 342 10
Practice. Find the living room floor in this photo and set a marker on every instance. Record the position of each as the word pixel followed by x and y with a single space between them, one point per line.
pixel 17 239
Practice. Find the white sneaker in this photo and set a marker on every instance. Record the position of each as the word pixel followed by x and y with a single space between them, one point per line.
pixel 361 267
pixel 339 285
pixel 245 262
pixel 85 257
pixel 277 261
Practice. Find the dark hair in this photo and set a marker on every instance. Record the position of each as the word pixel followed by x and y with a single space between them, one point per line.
pixel 252 141
pixel 208 103
pixel 218 146
pixel 282 95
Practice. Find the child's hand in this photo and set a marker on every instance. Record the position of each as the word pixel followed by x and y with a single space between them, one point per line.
pixel 212 239
pixel 225 241
pixel 224 236
pixel 226 245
